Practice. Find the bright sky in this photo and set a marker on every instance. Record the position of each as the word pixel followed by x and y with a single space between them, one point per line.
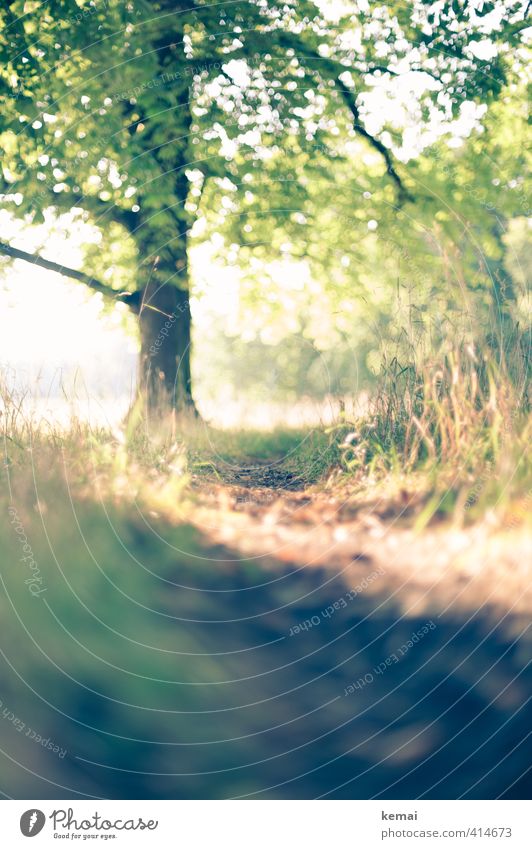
pixel 52 328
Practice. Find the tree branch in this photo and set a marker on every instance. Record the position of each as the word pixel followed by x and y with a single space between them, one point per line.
pixel 132 299
pixel 349 98
pixel 335 70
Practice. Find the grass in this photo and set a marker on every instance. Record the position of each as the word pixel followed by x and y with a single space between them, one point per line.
pixel 138 651
pixel 458 427
pixel 454 431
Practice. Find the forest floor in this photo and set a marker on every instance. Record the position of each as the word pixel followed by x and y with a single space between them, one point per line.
pixel 266 511
pixel 238 617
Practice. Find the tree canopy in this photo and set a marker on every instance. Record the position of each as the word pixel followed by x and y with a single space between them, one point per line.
pixel 265 121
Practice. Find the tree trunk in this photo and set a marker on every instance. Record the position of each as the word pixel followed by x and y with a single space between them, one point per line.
pixel 162 232
pixel 164 368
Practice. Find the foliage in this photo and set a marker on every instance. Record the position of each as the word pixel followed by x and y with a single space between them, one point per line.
pixel 131 111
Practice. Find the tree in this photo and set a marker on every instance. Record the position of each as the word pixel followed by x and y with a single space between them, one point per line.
pixel 139 113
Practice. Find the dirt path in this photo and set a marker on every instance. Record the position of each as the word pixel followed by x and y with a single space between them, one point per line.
pixel 293 644
pixel 264 511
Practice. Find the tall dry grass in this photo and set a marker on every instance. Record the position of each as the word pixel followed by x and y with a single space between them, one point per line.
pixel 456 418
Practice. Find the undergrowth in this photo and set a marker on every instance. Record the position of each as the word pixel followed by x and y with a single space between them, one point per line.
pixel 456 429
pixel 460 423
